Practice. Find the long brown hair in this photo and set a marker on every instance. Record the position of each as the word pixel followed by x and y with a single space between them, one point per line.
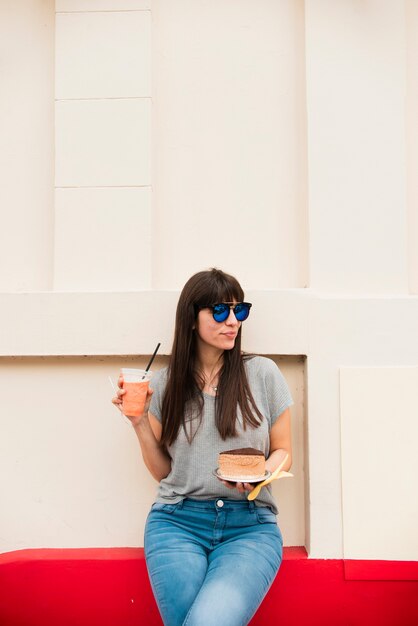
pixel 183 397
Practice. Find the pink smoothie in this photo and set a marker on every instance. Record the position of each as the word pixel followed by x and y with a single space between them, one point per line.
pixel 133 401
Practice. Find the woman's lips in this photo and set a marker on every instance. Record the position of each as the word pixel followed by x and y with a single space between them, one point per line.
pixel 230 335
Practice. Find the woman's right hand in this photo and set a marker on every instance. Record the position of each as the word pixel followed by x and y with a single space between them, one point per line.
pixel 148 431
pixel 118 400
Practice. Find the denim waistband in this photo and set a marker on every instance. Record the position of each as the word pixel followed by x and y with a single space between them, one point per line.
pixel 216 504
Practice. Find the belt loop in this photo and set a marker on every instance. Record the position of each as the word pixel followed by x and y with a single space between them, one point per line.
pixel 251 506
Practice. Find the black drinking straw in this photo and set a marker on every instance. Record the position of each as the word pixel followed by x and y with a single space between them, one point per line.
pixel 152 358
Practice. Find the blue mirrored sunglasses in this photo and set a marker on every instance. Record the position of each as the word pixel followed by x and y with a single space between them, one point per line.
pixel 221 310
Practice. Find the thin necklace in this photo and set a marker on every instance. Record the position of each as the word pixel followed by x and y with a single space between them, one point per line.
pixel 208 383
pixel 215 388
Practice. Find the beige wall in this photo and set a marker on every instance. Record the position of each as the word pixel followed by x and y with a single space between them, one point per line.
pixel 71 469
pixel 27 145
pixel 271 140
pixel 356 146
pixel 230 141
pixel 411 15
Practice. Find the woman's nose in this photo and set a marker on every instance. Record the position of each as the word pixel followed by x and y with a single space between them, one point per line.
pixel 231 320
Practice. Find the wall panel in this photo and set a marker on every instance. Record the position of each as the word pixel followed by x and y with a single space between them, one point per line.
pixel 379 408
pixel 103 233
pixel 356 146
pixel 102 239
pixel 411 19
pixel 102 143
pixel 103 55
pixel 71 473
pixel 27 145
pixel 229 141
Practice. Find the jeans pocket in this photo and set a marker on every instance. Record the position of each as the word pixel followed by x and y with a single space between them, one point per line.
pixel 165 508
pixel 265 515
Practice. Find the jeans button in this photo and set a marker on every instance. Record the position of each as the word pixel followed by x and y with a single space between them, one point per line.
pixel 220 503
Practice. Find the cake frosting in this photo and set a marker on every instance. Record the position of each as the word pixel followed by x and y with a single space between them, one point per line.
pixel 241 463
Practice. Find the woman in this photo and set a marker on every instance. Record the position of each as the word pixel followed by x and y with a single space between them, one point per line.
pixel 211 554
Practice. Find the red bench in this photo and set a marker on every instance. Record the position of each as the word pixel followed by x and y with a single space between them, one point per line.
pixel 110 587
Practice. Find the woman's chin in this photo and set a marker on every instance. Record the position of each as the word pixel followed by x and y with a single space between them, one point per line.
pixel 228 344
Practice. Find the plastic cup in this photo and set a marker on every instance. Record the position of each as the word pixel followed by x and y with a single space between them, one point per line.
pixel 135 383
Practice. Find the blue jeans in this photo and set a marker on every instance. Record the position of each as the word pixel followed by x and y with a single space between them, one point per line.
pixel 211 562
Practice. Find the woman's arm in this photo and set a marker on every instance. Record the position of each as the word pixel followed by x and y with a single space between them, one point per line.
pixel 280 443
pixel 148 430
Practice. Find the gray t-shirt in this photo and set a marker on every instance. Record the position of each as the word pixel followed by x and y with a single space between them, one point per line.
pixel 192 464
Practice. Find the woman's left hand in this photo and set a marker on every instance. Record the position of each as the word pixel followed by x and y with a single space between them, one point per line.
pixel 240 487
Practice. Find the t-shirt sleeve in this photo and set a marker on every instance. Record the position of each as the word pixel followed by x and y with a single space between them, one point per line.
pixel 157 384
pixel 279 397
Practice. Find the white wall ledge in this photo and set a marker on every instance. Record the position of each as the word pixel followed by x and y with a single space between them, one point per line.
pixel 131 323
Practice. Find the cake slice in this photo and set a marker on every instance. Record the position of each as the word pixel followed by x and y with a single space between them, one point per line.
pixel 241 464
